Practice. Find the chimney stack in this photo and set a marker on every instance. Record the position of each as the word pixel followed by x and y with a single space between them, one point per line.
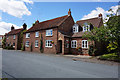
pixel 37 22
pixel 69 12
pixel 100 15
pixel 24 26
pixel 12 28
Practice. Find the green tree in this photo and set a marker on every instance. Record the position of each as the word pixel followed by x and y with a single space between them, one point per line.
pixel 109 32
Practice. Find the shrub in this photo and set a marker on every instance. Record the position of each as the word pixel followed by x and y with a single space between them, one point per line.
pixel 23 47
pixel 10 47
pixel 111 57
pixel 91 50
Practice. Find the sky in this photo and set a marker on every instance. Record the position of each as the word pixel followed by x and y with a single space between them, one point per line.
pixel 18 12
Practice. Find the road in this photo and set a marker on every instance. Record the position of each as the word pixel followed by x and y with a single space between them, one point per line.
pixel 18 64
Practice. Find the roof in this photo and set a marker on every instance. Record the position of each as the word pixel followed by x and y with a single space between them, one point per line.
pixel 15 31
pixel 78 34
pixel 94 21
pixel 48 24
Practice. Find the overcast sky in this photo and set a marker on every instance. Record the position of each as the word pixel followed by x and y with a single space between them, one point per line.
pixel 16 12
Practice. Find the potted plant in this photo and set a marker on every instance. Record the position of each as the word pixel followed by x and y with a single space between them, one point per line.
pixel 52 42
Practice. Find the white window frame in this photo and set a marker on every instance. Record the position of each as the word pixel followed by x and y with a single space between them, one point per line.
pixel 48 43
pixel 37 34
pixel 84 45
pixel 73 45
pixel 86 28
pixel 27 35
pixel 75 28
pixel 27 43
pixel 36 43
pixel 14 36
pixel 49 32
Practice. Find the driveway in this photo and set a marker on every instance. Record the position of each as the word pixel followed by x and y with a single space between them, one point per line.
pixel 19 64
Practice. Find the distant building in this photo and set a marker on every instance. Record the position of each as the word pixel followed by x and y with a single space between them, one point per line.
pixel 14 37
pixel 1 38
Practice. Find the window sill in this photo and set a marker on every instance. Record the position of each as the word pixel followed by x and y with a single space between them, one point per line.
pixel 36 36
pixel 27 37
pixel 48 47
pixel 36 46
pixel 84 48
pixel 49 35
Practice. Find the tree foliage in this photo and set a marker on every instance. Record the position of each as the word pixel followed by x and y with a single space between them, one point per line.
pixel 109 32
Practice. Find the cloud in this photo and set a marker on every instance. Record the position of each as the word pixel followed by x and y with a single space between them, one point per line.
pixel 15 8
pixel 98 10
pixel 5 27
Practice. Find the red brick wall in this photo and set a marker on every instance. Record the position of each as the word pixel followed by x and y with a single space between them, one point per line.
pixel 11 40
pixel 66 26
pixel 46 49
pixel 79 44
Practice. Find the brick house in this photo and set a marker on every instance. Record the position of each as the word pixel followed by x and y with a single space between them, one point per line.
pixel 1 38
pixel 14 37
pixel 60 35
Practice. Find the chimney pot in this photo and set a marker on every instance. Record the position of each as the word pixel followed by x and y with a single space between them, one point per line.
pixel 100 15
pixel 69 12
pixel 24 26
pixel 12 27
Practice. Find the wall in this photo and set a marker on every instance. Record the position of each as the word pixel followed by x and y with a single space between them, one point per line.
pixel 46 49
pixel 11 40
pixel 79 44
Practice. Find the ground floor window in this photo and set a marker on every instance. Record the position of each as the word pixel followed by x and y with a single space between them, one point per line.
pixel 48 43
pixel 84 43
pixel 13 44
pixel 36 43
pixel 27 44
pixel 73 43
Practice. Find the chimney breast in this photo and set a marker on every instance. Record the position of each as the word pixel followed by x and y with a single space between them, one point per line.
pixel 24 26
pixel 69 12
pixel 12 28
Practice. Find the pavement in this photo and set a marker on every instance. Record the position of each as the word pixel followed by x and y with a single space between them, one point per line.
pixel 19 64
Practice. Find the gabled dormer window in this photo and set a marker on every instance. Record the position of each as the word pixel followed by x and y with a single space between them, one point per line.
pixel 86 27
pixel 75 28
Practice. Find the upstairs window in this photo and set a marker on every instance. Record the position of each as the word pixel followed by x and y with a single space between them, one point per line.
pixel 75 28
pixel 84 43
pixel 74 43
pixel 48 43
pixel 27 44
pixel 49 32
pixel 27 35
pixel 37 34
pixel 36 43
pixel 86 27
pixel 13 36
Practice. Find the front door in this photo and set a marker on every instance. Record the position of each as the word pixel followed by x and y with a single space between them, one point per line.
pixel 60 44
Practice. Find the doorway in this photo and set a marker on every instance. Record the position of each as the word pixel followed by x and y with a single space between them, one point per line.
pixel 60 44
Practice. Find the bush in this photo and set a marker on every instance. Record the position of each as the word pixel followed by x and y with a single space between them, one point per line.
pixel 23 47
pixel 9 47
pixel 92 50
pixel 111 57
